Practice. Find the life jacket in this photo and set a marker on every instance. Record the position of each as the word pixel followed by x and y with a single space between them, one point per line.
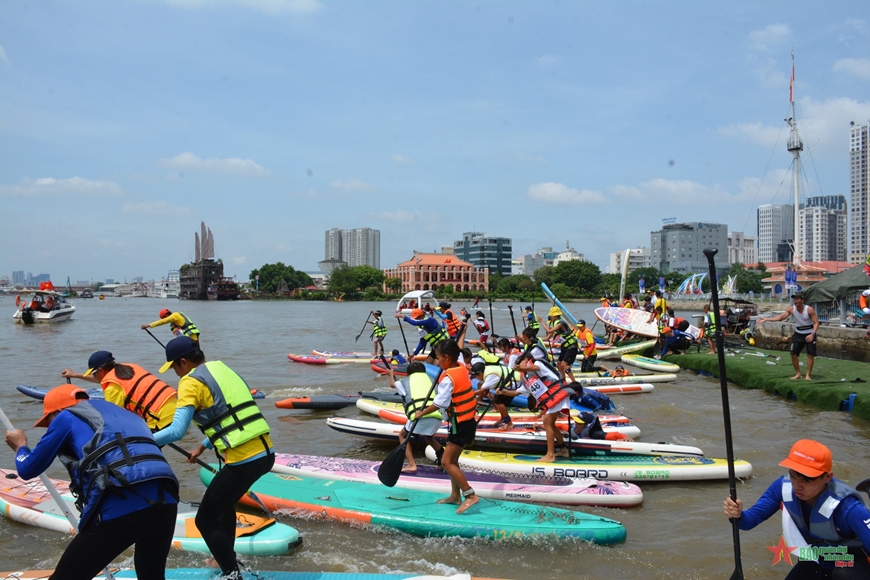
pixel 189 328
pixel 569 339
pixel 121 454
pixel 711 322
pixel 420 395
pixel 234 418
pixel 628 304
pixel 556 392
pixel 452 323
pixel 145 392
pixel 463 404
pixel 594 400
pixel 380 328
pixel 862 301
pixel 533 321
pixel 505 375
pixel 483 328
pixel 585 342
pixel 488 357
pixel 433 338
pixel 821 529
pixel 546 355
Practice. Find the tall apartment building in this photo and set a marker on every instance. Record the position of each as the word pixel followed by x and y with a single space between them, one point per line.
pixel 741 249
pixel 637 258
pixel 359 247
pixel 485 251
pixel 18 277
pixel 680 247
pixel 823 228
pixel 859 214
pixel 775 224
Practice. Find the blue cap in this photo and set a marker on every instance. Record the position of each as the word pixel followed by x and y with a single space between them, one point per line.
pixel 177 349
pixel 581 322
pixel 98 359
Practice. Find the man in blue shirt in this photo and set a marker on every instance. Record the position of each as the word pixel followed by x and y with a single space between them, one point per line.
pixel 122 502
pixel 827 519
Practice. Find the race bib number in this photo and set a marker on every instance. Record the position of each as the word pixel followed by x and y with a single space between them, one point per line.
pixel 536 387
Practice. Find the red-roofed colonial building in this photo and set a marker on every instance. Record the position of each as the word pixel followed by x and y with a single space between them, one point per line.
pixel 435 271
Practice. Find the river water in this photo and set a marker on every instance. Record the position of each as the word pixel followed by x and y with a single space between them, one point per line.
pixel 678 532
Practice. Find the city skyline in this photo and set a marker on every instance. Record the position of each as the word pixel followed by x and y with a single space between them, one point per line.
pixel 126 124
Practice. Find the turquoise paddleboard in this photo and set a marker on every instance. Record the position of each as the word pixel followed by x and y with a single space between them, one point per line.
pixel 212 574
pixel 417 512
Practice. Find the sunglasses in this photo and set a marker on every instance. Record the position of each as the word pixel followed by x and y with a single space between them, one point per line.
pixel 801 477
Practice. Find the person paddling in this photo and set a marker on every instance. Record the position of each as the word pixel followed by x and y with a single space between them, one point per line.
pixel 219 401
pixel 130 387
pixel 178 322
pixel 414 398
pixel 433 333
pixel 379 333
pixel 125 490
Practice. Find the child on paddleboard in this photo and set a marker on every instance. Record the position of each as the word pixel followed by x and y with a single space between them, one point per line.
pixel 414 397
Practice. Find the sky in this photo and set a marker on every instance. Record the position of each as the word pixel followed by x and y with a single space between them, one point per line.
pixel 125 124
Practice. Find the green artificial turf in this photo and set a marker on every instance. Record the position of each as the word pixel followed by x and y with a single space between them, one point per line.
pixel 825 391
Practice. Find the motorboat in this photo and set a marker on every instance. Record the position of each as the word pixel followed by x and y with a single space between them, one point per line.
pixel 43 306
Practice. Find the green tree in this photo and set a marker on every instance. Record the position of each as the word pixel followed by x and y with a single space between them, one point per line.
pixel 394 285
pixel 578 274
pixel 495 279
pixel 514 284
pixel 343 282
pixel 272 274
pixel 561 290
pixel 609 285
pixel 544 275
pixel 367 276
pixel 650 276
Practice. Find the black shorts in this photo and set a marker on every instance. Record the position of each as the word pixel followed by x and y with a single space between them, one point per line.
pixel 798 341
pixel 568 355
pixel 464 433
pixel 503 400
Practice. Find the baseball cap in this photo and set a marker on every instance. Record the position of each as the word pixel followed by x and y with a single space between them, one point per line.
pixel 58 399
pixel 395 352
pixel 378 313
pixel 164 313
pixel 529 308
pixel 417 313
pixel 798 295
pixel 178 348
pixel 581 322
pixel 477 368
pixel 809 458
pixel 98 359
pixel 443 305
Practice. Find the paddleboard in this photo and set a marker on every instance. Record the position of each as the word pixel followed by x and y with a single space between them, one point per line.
pixel 650 364
pixel 332 402
pixel 628 319
pixel 621 389
pixel 492 486
pixel 522 437
pixel 611 467
pixel 29 502
pixel 632 380
pixel 346 354
pixel 211 574
pixel 618 351
pixel 419 513
pixel 556 301
pixel 96 392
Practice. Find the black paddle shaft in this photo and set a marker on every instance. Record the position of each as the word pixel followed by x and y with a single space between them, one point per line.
pixel 363 328
pixel 155 338
pixel 726 407
pixel 491 319
pixel 513 322
pixel 405 340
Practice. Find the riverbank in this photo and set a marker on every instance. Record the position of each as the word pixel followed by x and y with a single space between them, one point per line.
pixel 833 379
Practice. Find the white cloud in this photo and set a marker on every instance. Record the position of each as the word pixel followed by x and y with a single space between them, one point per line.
pixel 401 158
pixel 857 24
pixel 860 67
pixel 351 186
pixel 3 54
pixel 772 34
pixel 547 60
pixel 156 208
pixel 189 161
pixel 562 194
pixel 536 158
pixel 273 7
pixel 52 186
pixel 754 132
pixel 239 261
pixel 398 215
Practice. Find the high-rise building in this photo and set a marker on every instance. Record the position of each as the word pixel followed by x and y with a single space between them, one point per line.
pixel 637 258
pixel 359 247
pixel 823 229
pixel 485 252
pixel 680 247
pixel 775 224
pixel 741 249
pixel 18 277
pixel 859 214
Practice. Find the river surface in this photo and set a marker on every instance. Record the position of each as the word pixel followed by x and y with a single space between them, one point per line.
pixel 678 532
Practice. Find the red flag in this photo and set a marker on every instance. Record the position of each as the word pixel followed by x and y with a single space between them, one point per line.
pixel 791 86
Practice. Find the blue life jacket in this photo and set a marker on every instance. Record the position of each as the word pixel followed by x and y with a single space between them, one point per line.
pixel 821 530
pixel 121 454
pixel 594 400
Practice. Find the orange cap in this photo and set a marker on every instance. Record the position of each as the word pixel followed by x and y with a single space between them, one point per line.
pixel 417 313
pixel 809 458
pixel 58 399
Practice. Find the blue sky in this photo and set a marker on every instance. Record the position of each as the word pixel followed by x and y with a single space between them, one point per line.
pixel 124 124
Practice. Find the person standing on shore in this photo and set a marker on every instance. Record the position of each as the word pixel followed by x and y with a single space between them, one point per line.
pixel 806 325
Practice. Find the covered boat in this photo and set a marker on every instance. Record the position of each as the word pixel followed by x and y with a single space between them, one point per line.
pixel 42 306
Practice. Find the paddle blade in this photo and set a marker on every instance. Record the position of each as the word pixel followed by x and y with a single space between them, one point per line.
pixel 391 467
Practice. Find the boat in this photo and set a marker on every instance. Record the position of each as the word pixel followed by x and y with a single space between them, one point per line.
pixel 87 293
pixel 169 287
pixel 589 491
pixel 528 437
pixel 418 512
pixel 650 364
pixel 334 402
pixel 43 306
pixel 223 288
pixel 28 501
pixel 611 467
pixel 738 314
pixel 209 574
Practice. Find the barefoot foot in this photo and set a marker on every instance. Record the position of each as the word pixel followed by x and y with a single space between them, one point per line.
pixel 808 377
pixel 797 376
pixel 469 501
pixel 547 459
pixel 409 469
pixel 452 499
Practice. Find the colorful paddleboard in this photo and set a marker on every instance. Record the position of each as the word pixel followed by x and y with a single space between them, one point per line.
pixel 332 402
pixel 650 364
pixel 96 392
pixel 629 319
pixel 431 478
pixel 610 467
pixel 29 502
pixel 419 513
pixel 311 359
pixel 632 380
pixel 211 574
pixel 618 351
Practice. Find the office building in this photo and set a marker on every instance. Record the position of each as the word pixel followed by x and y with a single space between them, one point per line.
pixel 823 223
pixel 485 251
pixel 18 277
pixel 775 225
pixel 568 255
pixel 859 212
pixel 358 247
pixel 741 249
pixel 680 247
pixel 637 258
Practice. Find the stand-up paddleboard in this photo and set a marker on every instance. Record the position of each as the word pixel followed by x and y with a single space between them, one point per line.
pixel 311 359
pixel 402 369
pixel 618 351
pixel 556 301
pixel 431 478
pixel 611 390
pixel 345 354
pixel 650 364
pixel 210 574
pixel 419 513
pixel 628 319
pixel 612 467
pixel 28 501
pixel 333 402
pixel 521 437
pixel 632 380
pixel 96 392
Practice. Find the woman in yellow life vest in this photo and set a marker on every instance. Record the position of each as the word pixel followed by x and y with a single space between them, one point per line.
pixel 219 401
pixel 179 324
pixel 130 387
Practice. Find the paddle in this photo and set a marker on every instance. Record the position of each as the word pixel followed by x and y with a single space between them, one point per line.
pixel 491 319
pixel 405 340
pixel 55 495
pixel 364 327
pixel 201 463
pixel 726 409
pixel 391 466
pixel 155 338
pixel 513 322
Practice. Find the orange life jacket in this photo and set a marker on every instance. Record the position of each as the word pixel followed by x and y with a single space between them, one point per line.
pixel 452 322
pixel 555 394
pixel 464 404
pixel 145 392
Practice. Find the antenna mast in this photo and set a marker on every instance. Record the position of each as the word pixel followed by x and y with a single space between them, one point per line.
pixel 795 146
